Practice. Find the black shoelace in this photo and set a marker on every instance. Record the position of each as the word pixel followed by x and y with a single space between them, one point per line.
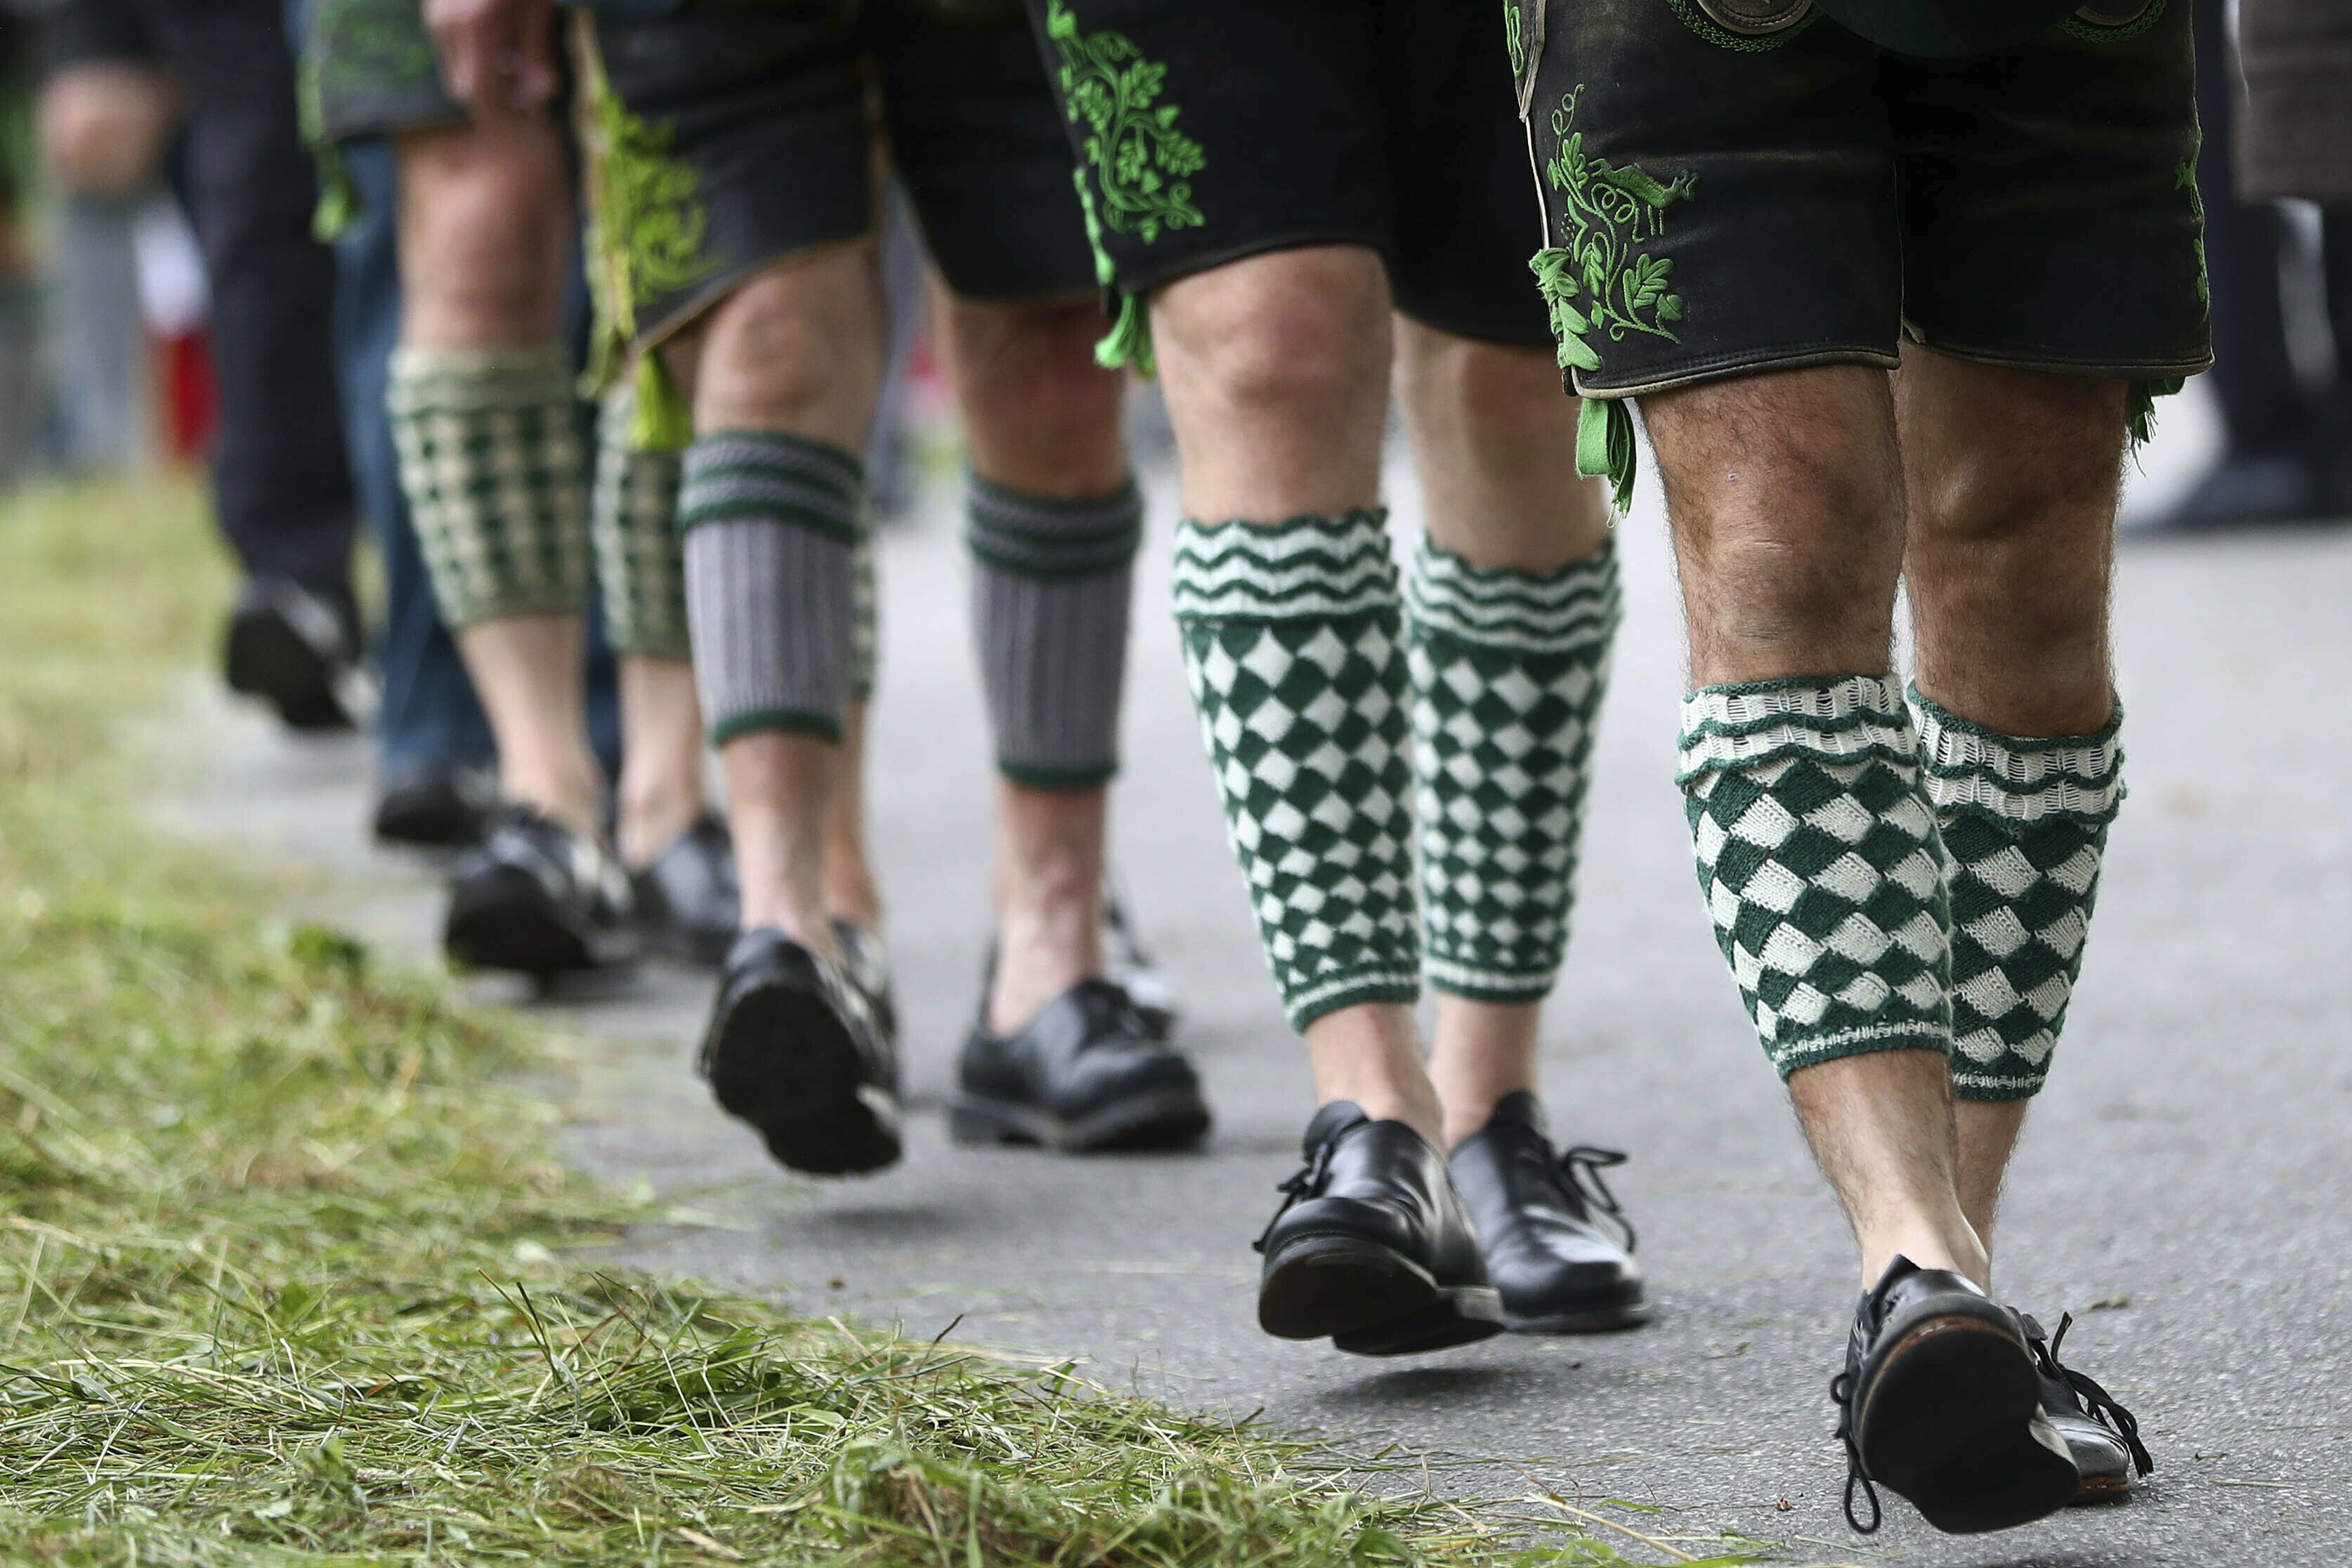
pixel 1300 1183
pixel 1841 1394
pixel 1580 1169
pixel 2101 1405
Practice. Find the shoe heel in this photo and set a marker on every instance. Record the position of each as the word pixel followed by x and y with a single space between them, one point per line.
pixel 1951 1428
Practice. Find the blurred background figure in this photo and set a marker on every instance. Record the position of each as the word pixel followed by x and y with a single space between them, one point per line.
pixel 2282 295
pixel 198 95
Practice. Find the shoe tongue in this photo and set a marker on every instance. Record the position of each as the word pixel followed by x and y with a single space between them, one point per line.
pixel 1329 1122
pixel 1520 1107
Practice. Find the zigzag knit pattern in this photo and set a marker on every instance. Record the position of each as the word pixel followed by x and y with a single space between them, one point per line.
pixel 2025 827
pixel 1508 670
pixel 1293 653
pixel 1816 848
pixel 495 476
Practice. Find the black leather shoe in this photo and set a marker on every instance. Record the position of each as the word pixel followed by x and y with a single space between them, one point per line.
pixel 866 966
pixel 540 899
pixel 1129 965
pixel 792 1051
pixel 1940 1401
pixel 2100 1434
pixel 443 807
pixel 299 650
pixel 1540 1214
pixel 1085 1076
pixel 689 903
pixel 1371 1246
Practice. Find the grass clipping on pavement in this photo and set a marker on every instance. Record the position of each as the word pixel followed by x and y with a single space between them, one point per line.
pixel 284 1270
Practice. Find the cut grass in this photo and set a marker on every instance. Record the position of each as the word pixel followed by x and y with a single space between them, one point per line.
pixel 286 1268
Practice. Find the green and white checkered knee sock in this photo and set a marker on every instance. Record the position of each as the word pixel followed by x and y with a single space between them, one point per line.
pixel 1817 851
pixel 2024 824
pixel 633 524
pixel 865 611
pixel 1051 582
pixel 495 475
pixel 1507 672
pixel 1295 658
pixel 771 523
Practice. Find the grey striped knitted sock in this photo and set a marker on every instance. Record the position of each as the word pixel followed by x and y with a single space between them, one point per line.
pixel 1051 583
pixel 495 477
pixel 633 523
pixel 771 524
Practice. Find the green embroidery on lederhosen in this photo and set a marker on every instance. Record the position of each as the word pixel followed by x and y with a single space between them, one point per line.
pixel 2184 178
pixel 645 228
pixel 1514 40
pixel 1141 163
pixel 1599 281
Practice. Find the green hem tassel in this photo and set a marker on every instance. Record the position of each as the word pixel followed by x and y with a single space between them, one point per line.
pixel 2140 414
pixel 1129 342
pixel 663 421
pixel 1604 446
pixel 339 199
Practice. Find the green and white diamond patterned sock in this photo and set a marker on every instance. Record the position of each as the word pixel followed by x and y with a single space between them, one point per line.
pixel 1817 851
pixel 1296 659
pixel 1508 671
pixel 2024 824
pixel 633 523
pixel 497 478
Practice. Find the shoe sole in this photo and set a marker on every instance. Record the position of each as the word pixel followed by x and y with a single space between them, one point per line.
pixel 1163 1119
pixel 268 659
pixel 1948 1428
pixel 504 921
pixel 781 1060
pixel 1370 1300
pixel 1593 1320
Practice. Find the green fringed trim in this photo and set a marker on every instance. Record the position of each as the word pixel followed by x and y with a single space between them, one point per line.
pixel 1129 342
pixel 662 423
pixel 339 199
pixel 2141 412
pixel 1604 446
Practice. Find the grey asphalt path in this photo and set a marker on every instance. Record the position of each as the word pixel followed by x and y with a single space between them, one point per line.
pixel 2182 1188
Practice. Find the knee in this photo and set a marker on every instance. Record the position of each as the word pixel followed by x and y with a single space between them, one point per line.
pixel 1039 413
pixel 1500 391
pixel 1296 333
pixel 2047 463
pixel 776 355
pixel 483 229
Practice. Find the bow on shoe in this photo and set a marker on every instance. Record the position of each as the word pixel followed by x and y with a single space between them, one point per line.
pixel 1580 1168
pixel 2103 1407
pixel 1300 1183
pixel 1841 1395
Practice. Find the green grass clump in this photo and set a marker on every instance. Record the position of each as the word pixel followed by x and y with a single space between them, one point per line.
pixel 288 1275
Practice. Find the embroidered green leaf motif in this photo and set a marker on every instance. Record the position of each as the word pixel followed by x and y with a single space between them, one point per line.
pixel 1599 279
pixel 1517 42
pixel 1142 164
pixel 2185 178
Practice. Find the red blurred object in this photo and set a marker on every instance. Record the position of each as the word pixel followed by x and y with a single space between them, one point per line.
pixel 190 395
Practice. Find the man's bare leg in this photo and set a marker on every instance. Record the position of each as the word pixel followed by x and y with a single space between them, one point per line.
pixel 1042 420
pixel 795 352
pixel 483 220
pixel 850 892
pixel 1277 373
pixel 660 793
pixel 1787 500
pixel 1495 446
pixel 2014 479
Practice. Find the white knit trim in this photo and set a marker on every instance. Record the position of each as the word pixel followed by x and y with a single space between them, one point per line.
pixel 1851 717
pixel 1307 1000
pixel 1578 606
pixel 2020 781
pixel 1244 571
pixel 1452 974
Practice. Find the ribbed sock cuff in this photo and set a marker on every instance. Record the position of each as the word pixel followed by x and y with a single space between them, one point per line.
pixel 495 477
pixel 1051 585
pixel 2024 825
pixel 1817 850
pixel 771 524
pixel 1508 670
pixel 1295 656
pixel 632 523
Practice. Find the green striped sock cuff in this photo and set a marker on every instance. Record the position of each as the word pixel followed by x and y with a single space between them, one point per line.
pixel 1577 606
pixel 1971 768
pixel 1040 537
pixel 767 475
pixel 467 381
pixel 1306 568
pixel 1847 718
